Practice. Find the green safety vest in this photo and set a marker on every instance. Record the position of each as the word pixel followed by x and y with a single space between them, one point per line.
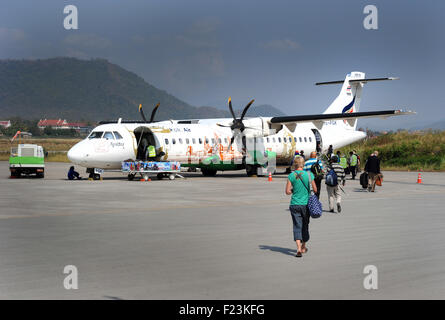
pixel 343 162
pixel 353 160
pixel 151 151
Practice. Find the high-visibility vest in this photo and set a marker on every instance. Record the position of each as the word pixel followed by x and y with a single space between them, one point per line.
pixel 151 151
pixel 343 162
pixel 353 160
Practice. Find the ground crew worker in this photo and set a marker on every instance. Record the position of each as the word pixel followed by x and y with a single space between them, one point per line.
pixel 353 160
pixel 343 163
pixel 151 152
pixel 73 174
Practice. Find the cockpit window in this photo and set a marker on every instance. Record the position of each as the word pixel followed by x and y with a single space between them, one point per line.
pixel 95 135
pixel 108 136
pixel 117 135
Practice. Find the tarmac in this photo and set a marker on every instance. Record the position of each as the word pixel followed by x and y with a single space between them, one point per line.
pixel 227 237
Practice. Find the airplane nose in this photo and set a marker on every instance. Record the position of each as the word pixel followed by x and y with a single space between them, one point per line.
pixel 75 154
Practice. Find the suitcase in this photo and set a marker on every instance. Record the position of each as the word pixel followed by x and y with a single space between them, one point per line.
pixel 364 180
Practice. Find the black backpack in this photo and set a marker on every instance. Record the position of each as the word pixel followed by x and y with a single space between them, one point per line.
pixel 316 170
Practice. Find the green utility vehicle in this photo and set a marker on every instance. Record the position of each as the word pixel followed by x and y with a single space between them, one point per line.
pixel 27 159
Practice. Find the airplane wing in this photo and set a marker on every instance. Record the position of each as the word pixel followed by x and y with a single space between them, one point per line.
pixel 338 116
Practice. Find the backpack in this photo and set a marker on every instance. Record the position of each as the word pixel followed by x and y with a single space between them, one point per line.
pixel 331 178
pixel 364 180
pixel 316 170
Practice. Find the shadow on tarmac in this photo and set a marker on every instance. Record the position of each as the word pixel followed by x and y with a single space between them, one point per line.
pixel 287 251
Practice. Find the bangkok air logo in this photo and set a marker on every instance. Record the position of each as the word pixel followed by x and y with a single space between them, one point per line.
pixel 349 108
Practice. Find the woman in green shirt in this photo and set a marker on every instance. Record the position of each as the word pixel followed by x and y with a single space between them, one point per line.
pixel 298 185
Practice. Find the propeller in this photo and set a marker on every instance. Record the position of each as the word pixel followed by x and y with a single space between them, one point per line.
pixel 237 125
pixel 145 119
pixel 152 113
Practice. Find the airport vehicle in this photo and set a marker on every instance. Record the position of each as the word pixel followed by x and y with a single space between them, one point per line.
pixel 27 159
pixel 252 144
pixel 145 168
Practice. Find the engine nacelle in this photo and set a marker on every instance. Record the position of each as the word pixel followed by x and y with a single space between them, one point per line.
pixel 260 127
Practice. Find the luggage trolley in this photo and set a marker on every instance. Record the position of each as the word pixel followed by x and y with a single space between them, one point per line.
pixel 145 168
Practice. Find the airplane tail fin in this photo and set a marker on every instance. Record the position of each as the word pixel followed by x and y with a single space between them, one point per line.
pixel 348 100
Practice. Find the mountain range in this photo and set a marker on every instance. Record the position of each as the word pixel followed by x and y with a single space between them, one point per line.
pixel 91 90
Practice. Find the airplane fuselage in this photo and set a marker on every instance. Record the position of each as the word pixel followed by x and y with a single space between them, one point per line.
pixel 193 143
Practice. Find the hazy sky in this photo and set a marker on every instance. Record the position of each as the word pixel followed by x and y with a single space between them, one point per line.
pixel 272 51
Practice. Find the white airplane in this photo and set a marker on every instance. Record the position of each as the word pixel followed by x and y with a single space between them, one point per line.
pixel 230 144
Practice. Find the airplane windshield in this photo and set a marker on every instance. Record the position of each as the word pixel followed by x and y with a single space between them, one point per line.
pixel 95 135
pixel 108 136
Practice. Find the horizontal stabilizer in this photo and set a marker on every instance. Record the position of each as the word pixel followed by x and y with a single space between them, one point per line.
pixel 339 116
pixel 357 80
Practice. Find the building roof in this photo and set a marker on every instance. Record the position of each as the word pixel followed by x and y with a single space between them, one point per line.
pixel 52 123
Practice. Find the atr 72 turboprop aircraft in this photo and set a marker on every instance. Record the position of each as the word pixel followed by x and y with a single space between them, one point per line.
pixel 230 144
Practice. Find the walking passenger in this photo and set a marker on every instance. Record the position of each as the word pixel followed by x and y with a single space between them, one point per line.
pixel 372 167
pixel 334 174
pixel 316 167
pixel 298 184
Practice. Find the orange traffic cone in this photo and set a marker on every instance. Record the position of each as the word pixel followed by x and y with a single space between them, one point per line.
pixel 419 178
pixel 270 176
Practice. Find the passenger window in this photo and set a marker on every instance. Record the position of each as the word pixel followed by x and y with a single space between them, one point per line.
pixel 310 139
pixel 301 140
pixel 219 140
pixel 285 139
pixel 267 139
pixel 166 141
pixel 295 139
pixel 180 140
pixel 194 140
pixel 213 141
pixel 273 139
pixel 108 136
pixel 200 141
pixel 173 140
pixel 305 139
pixel 187 140
pixel 96 135
pixel 117 135
pixel 207 140
pixel 226 141
pixel 279 139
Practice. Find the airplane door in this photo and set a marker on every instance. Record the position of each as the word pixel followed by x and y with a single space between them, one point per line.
pixel 318 140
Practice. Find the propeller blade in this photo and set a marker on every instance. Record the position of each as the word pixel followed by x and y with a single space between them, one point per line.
pixel 246 108
pixel 231 142
pixel 154 112
pixel 142 113
pixel 223 125
pixel 231 109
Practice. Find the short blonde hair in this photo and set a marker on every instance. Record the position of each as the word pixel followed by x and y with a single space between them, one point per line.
pixel 376 153
pixel 298 163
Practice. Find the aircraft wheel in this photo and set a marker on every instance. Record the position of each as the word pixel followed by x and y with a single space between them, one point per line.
pixel 130 176
pixel 208 172
pixel 96 176
pixel 251 170
pixel 171 176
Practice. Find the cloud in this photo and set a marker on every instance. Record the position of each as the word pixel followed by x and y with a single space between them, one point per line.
pixel 7 34
pixel 87 41
pixel 281 44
